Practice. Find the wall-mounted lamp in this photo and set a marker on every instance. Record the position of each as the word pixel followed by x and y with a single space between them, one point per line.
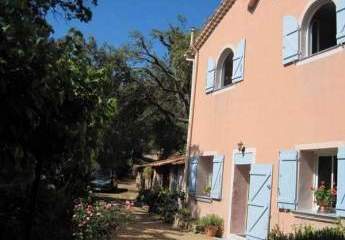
pixel 252 5
pixel 241 147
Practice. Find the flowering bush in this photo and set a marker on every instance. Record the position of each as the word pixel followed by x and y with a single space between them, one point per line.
pixel 96 221
pixel 325 196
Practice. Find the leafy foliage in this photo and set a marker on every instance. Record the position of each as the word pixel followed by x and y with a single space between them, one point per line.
pixel 69 103
pixel 210 220
pixel 58 101
pixel 184 220
pixel 148 172
pixel 325 196
pixel 161 82
pixel 308 233
pixel 164 202
pixel 153 101
pixel 96 221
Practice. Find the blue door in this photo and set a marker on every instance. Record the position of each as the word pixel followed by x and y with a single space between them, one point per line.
pixel 259 202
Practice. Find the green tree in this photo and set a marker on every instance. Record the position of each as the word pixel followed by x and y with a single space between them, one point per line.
pixel 153 101
pixel 57 99
pixel 163 83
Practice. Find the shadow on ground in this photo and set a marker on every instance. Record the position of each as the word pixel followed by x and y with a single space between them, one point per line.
pixel 146 226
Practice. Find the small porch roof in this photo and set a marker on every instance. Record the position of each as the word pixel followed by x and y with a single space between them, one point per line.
pixel 176 160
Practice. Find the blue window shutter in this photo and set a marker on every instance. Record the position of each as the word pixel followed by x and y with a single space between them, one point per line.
pixel 287 190
pixel 341 182
pixel 291 32
pixel 259 202
pixel 340 21
pixel 217 177
pixel 211 76
pixel 193 168
pixel 238 62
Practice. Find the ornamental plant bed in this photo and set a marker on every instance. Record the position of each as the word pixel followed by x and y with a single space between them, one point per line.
pixel 309 233
pixel 211 224
pixel 96 220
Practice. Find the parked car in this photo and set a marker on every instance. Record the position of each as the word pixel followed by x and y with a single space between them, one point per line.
pixel 104 180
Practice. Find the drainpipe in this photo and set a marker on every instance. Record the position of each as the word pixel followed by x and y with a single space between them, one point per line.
pixel 191 107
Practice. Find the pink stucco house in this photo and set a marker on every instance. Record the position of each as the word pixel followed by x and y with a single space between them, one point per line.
pixel 269 74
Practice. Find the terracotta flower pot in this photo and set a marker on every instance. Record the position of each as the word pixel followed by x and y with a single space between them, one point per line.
pixel 324 207
pixel 211 231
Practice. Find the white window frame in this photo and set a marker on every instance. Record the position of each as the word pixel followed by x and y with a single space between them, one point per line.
pixel 219 83
pixel 306 31
pixel 199 195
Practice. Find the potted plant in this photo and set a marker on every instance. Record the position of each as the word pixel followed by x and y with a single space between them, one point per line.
pixel 207 190
pixel 324 197
pixel 211 224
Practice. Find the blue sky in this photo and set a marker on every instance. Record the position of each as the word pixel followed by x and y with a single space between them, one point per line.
pixel 113 20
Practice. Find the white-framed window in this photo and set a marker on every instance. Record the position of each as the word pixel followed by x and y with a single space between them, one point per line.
pixel 225 69
pixel 322 29
pixel 302 171
pixel 319 28
pixel 316 168
pixel 204 177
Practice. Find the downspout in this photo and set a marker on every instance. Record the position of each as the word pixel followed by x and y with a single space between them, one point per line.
pixel 195 61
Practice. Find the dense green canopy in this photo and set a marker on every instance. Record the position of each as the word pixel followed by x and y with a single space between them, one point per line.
pixel 68 104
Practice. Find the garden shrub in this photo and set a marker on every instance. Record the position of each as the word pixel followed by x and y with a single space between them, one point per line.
pixel 210 220
pixel 163 202
pixel 184 219
pixel 308 233
pixel 96 221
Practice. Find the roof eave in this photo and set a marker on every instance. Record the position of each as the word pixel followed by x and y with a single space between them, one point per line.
pixel 212 23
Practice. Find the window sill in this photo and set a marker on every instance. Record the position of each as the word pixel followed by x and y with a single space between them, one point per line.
pixel 313 215
pixel 224 89
pixel 204 199
pixel 325 53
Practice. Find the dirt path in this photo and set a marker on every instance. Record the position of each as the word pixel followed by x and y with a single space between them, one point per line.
pixel 144 225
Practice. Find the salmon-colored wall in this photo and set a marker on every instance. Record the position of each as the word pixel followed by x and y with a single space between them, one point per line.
pixel 275 107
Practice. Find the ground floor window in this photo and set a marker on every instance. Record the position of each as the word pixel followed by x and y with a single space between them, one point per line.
pixel 204 177
pixel 317 171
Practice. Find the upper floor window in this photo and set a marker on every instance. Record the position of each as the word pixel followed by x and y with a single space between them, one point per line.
pixel 322 29
pixel 225 71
